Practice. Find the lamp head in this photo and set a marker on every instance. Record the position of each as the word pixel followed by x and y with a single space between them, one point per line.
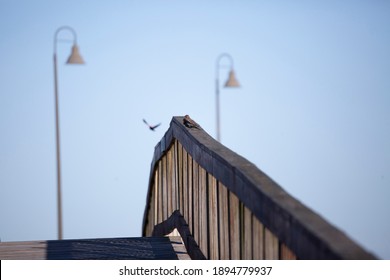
pixel 75 57
pixel 232 81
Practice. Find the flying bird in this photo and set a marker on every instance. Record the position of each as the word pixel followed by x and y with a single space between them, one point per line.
pixel 190 123
pixel 151 127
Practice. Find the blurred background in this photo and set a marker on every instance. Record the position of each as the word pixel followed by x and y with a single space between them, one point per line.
pixel 312 111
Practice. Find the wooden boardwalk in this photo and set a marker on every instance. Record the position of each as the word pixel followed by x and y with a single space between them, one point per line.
pixel 213 204
pixel 224 207
pixel 138 248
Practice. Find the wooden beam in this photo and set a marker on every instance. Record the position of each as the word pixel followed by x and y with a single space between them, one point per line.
pixel 301 230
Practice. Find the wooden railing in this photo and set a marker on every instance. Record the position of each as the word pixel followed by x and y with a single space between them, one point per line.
pixel 224 207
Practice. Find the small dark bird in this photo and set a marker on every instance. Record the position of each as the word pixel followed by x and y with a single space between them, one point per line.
pixel 190 123
pixel 151 127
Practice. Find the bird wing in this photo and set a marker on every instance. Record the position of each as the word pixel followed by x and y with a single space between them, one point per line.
pixel 157 125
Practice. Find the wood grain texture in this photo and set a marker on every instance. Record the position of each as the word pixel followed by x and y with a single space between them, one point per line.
pixel 234 227
pixel 176 221
pixel 223 220
pixel 136 248
pixel 263 220
pixel 196 207
pixel 203 213
pixel 258 240
pixel 213 233
pixel 247 234
pixel 183 181
pixel 190 195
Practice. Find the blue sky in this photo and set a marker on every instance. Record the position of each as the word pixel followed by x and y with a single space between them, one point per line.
pixel 312 112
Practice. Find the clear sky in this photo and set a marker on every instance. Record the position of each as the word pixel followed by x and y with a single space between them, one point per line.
pixel 313 111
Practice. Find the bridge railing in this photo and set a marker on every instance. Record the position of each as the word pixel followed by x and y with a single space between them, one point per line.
pixel 224 207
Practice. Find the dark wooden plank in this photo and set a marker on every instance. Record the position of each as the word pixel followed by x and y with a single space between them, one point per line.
pixel 146 248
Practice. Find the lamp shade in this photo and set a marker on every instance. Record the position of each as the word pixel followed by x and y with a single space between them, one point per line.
pixel 232 81
pixel 75 57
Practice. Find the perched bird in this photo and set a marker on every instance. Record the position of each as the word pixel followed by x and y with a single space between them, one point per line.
pixel 190 123
pixel 151 127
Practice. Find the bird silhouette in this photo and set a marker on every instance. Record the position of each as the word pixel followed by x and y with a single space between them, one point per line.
pixel 190 123
pixel 151 127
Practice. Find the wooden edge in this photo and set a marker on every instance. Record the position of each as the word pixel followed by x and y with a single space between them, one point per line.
pixel 273 206
pixel 179 248
pixel 176 221
pixel 23 250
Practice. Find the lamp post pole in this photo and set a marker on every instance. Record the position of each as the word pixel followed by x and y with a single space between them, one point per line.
pixel 58 154
pixel 74 58
pixel 231 82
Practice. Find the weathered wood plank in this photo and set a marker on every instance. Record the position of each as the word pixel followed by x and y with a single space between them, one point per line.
pixel 190 197
pixel 258 239
pixel 234 229
pixel 164 188
pixel 286 253
pixel 196 191
pixel 224 206
pixel 213 233
pixel 279 217
pixel 180 174
pixel 248 230
pixel 203 212
pixel 170 188
pixel 174 176
pixel 151 212
pixel 154 201
pixel 160 201
pixel 146 248
pixel 185 184
pixel 271 245
pixel 179 248
pixel 27 250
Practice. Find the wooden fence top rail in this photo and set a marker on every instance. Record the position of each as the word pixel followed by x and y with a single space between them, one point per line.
pixel 297 226
pixel 134 248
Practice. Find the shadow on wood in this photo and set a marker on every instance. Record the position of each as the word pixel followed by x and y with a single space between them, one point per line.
pixel 232 208
pixel 150 248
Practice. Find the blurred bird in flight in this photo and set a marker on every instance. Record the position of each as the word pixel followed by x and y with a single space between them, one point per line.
pixel 151 127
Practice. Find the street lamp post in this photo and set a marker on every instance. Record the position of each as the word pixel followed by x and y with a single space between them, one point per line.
pixel 74 58
pixel 231 82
